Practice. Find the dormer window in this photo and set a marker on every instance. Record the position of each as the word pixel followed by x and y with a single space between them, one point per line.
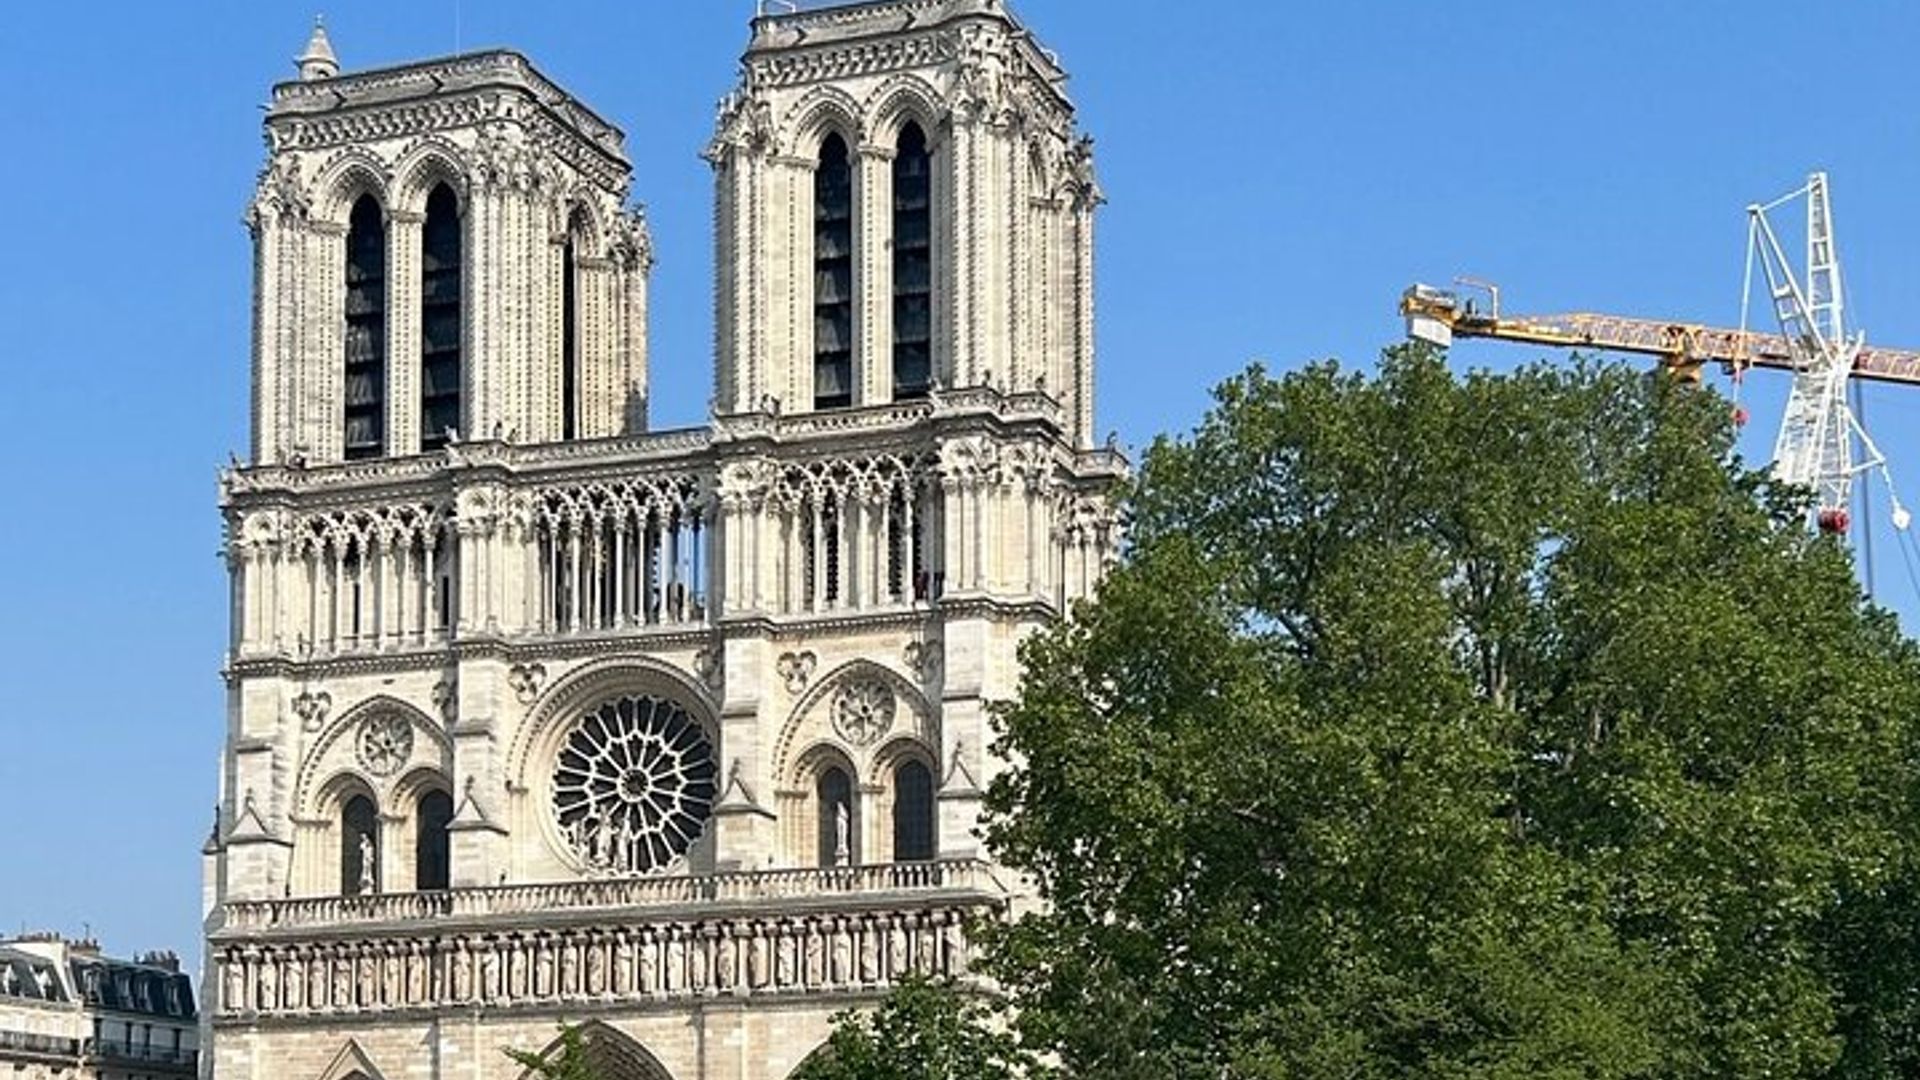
pixel 833 276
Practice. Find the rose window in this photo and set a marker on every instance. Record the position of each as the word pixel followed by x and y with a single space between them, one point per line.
pixel 386 741
pixel 862 712
pixel 634 785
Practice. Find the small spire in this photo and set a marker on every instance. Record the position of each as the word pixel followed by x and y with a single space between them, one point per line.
pixel 318 62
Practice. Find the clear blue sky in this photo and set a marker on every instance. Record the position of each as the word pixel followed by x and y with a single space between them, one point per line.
pixel 1275 179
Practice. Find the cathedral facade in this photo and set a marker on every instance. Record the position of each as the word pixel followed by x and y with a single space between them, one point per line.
pixel 536 715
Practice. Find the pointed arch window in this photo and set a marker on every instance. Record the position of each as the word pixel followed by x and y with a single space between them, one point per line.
pixel 833 276
pixel 365 385
pixel 833 796
pixel 359 847
pixel 912 265
pixel 912 811
pixel 570 328
pixel 440 322
pixel 432 855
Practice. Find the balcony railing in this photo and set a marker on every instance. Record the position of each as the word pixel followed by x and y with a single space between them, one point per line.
pixel 743 888
pixel 27 1042
pixel 119 1050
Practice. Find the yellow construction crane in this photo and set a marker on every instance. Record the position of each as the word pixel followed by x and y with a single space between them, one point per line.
pixel 1439 316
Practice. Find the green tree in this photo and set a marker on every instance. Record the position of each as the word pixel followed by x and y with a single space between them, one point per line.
pixel 1488 726
pixel 922 1030
pixel 567 1059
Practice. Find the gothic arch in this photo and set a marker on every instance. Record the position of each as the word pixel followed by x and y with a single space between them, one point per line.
pixel 417 781
pixel 587 686
pixel 345 177
pixel 613 1054
pixel 902 98
pixel 436 749
pixel 579 203
pixel 808 722
pixel 340 786
pixel 351 1063
pixel 896 749
pixel 822 110
pixel 424 165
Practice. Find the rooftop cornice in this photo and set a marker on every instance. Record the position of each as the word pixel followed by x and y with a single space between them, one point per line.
pixel 843 24
pixel 1028 413
pixel 837 22
pixel 499 69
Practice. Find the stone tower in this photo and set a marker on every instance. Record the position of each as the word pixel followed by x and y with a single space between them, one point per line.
pixel 536 715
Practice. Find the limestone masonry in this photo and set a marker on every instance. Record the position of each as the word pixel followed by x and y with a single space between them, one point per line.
pixel 535 714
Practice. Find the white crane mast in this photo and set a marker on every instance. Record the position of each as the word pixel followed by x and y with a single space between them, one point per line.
pixel 1820 432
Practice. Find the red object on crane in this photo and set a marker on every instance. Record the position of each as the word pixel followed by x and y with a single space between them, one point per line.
pixel 1834 522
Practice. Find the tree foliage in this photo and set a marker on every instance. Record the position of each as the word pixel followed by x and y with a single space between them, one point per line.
pixel 1489 726
pixel 568 1059
pixel 923 1030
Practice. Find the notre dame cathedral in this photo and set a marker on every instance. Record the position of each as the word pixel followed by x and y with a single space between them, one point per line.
pixel 537 715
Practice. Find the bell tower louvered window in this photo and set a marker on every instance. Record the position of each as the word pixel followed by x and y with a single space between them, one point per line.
pixel 365 385
pixel 570 331
pixel 833 277
pixel 912 265
pixel 440 322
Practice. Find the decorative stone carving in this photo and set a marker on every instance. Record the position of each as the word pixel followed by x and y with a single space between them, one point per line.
pixel 863 711
pixel 795 668
pixel 635 785
pixel 446 699
pixel 922 658
pixel 311 707
pixel 708 664
pixel 525 680
pixel 385 743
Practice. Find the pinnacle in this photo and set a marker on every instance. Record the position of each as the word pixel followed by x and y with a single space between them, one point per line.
pixel 318 61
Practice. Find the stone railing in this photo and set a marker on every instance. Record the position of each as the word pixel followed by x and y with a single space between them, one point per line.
pixel 743 888
pixel 576 955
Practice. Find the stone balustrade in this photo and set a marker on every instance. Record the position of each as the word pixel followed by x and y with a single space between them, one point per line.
pixel 735 889
pixel 630 940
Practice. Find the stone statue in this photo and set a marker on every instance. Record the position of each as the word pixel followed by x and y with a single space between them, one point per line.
pixel 269 985
pixel 926 948
pixel 676 962
pixel 869 954
pixel 783 957
pixel 294 987
pixel 622 962
pixel 757 959
pixel 236 983
pixel 816 960
pixel 543 970
pixel 699 956
pixel 596 967
pixel 369 880
pixel 489 972
pixel 649 973
pixel 369 980
pixel 390 977
pixel 569 969
pixel 462 971
pixel 842 956
pixel 897 960
pixel 726 961
pixel 842 835
pixel 416 975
